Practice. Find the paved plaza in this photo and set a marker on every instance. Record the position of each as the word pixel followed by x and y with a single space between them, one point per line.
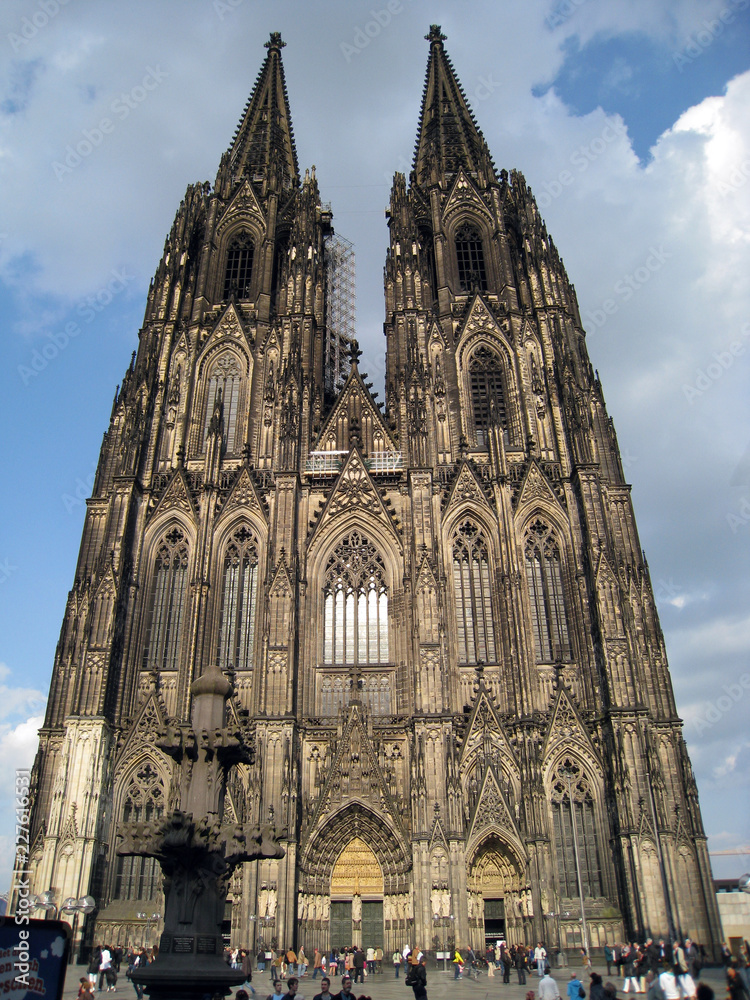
pixel 440 985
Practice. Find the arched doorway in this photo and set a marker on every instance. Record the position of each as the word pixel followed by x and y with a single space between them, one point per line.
pixel 499 901
pixel 357 898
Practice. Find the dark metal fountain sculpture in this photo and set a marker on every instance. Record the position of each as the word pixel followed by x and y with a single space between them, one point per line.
pixel 196 851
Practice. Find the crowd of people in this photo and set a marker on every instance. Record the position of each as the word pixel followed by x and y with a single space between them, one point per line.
pixel 657 969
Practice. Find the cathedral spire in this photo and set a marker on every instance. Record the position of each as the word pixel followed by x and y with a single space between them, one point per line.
pixel 448 136
pixel 263 144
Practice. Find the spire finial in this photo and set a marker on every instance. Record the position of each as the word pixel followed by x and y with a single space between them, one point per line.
pixel 354 352
pixel 274 41
pixel 435 35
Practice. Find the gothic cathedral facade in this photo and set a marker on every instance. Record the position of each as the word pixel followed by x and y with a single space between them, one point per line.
pixel 435 611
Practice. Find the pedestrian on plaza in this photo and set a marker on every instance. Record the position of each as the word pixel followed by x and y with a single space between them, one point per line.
pixel 86 989
pixel 278 991
pixel 458 964
pixel 575 988
pixel 416 977
pixel 653 987
pixel 548 987
pixel 346 989
pixel 520 962
pixel 540 957
pixel 396 959
pixel 609 957
pixel 292 987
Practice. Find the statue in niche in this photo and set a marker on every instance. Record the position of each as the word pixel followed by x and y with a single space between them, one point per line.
pixel 357 908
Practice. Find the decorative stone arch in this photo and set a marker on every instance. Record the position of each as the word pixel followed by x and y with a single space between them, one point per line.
pixel 461 219
pixel 529 538
pixel 162 530
pixel 503 769
pixel 141 793
pixel 239 222
pixel 587 786
pixel 460 521
pixel 483 345
pixel 497 887
pixel 225 365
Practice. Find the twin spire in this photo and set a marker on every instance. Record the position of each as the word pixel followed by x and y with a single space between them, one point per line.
pixel 448 136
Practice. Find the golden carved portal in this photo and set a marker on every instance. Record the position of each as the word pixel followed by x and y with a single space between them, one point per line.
pixel 356 873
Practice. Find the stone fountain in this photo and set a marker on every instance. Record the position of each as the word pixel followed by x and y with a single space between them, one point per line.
pixel 196 851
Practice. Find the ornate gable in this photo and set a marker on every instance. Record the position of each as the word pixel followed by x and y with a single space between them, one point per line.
pixel 485 733
pixel 243 204
pixel 355 774
pixel 567 729
pixel 481 319
pixel 355 407
pixel 147 724
pixel 355 492
pixel 535 489
pixel 463 196
pixel 491 810
pixel 229 330
pixel 243 497
pixel 176 497
pixel 466 489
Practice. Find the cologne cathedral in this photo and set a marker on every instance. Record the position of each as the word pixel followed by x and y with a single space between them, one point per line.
pixel 434 611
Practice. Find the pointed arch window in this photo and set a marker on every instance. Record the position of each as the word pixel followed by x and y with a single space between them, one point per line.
pixel 545 581
pixel 238 602
pixel 569 779
pixel 487 392
pixel 137 877
pixel 472 273
pixel 239 270
pixel 471 587
pixel 355 602
pixel 224 385
pixel 167 606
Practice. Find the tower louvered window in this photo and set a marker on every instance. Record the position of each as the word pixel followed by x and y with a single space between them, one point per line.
pixel 137 877
pixel 472 273
pixel 355 627
pixel 487 392
pixel 544 577
pixel 224 386
pixel 238 602
pixel 570 779
pixel 168 600
pixel 238 274
pixel 471 586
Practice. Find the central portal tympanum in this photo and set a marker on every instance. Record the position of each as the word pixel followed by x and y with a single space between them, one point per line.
pixel 357 898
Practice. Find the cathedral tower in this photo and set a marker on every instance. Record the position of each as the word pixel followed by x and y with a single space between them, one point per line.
pixel 436 615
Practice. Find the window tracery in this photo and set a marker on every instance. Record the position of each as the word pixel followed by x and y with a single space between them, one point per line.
pixel 487 392
pixel 224 385
pixel 472 273
pixel 569 780
pixel 471 586
pixel 168 598
pixel 546 594
pixel 239 269
pixel 144 801
pixel 239 601
pixel 355 597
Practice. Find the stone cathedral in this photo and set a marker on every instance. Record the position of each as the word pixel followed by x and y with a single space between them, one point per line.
pixel 434 611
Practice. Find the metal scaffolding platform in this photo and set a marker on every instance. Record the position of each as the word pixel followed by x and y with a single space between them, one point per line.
pixel 340 310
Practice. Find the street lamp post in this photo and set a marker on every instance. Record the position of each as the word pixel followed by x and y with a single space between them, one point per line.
pixel 46 901
pixel 145 916
pixel 569 773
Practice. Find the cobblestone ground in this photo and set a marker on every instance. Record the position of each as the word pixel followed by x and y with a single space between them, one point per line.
pixel 440 986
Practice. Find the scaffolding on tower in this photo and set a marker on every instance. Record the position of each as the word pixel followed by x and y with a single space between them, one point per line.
pixel 340 310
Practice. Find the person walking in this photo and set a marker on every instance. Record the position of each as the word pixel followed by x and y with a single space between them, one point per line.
pixel 520 962
pixel 575 988
pixel 417 976
pixel 325 990
pixel 458 963
pixel 547 986
pixel 396 959
pixel 540 957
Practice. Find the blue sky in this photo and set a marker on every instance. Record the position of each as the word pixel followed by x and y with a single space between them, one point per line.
pixel 634 155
